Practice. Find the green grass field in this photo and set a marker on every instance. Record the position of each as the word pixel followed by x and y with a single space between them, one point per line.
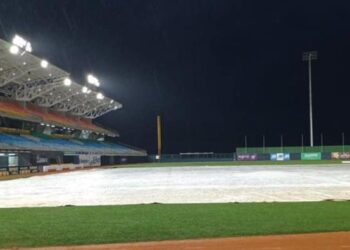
pixel 34 227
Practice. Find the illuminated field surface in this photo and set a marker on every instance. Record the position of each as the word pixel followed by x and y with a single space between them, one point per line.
pixel 207 184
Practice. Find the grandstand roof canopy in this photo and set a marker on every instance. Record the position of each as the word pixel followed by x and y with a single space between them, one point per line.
pixel 25 77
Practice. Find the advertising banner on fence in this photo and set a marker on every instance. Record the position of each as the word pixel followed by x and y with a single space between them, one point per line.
pixel 341 155
pixel 311 156
pixel 90 160
pixel 280 157
pixel 247 157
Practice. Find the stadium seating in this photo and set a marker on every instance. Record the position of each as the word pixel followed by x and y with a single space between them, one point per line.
pixel 13 109
pixel 27 142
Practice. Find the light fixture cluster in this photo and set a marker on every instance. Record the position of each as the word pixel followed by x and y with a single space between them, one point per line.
pixel 93 80
pixel 20 45
pixel 67 81
pixel 99 96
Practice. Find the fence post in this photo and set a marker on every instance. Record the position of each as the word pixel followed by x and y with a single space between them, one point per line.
pixel 263 143
pixel 302 143
pixel 281 143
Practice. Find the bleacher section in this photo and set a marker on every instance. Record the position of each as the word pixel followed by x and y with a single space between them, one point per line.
pixel 47 120
pixel 35 143
pixel 30 112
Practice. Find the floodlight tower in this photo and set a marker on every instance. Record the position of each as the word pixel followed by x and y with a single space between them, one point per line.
pixel 310 56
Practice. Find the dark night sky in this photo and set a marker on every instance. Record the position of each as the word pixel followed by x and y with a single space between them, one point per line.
pixel 216 70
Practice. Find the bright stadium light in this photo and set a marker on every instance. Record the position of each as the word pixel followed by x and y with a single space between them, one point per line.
pixel 84 89
pixel 28 47
pixel 67 82
pixel 22 43
pixel 90 78
pixel 44 64
pixel 14 49
pixel 99 96
pixel 19 41
pixel 93 80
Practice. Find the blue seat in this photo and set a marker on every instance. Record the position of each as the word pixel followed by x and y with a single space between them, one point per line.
pixel 65 145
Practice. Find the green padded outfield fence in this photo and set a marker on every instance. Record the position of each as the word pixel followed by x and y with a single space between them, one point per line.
pixel 267 150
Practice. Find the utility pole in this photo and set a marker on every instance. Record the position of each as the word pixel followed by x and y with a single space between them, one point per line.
pixel 310 56
pixel 159 136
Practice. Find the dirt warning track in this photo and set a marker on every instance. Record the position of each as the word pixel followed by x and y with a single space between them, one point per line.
pixel 323 241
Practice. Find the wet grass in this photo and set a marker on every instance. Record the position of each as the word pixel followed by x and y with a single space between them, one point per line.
pixel 34 227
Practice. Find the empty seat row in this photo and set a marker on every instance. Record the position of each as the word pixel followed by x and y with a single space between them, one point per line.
pixel 18 142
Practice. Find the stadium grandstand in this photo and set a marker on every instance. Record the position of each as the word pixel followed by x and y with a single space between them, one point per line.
pixel 46 118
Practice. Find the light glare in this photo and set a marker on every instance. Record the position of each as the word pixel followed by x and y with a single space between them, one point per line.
pixel 99 96
pixel 67 82
pixel 93 80
pixel 14 49
pixel 84 89
pixel 19 41
pixel 22 43
pixel 44 64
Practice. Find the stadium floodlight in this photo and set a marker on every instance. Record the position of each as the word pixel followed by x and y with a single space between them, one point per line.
pixel 28 47
pixel 310 56
pixel 19 41
pixel 67 82
pixel 93 80
pixel 99 96
pixel 44 64
pixel 22 43
pixel 117 106
pixel 84 89
pixel 14 49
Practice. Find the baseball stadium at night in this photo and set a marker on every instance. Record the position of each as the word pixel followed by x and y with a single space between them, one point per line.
pixel 195 124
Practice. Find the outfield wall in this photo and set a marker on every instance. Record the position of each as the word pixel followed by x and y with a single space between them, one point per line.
pixel 279 156
pixel 294 149
pixel 341 152
pixel 285 156
pixel 201 157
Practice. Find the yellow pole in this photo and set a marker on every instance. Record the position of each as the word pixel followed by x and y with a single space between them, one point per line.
pixel 159 133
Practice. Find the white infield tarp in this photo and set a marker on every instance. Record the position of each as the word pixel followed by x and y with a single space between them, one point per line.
pixel 180 185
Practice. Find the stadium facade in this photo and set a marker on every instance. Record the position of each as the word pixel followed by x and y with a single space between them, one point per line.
pixel 47 118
